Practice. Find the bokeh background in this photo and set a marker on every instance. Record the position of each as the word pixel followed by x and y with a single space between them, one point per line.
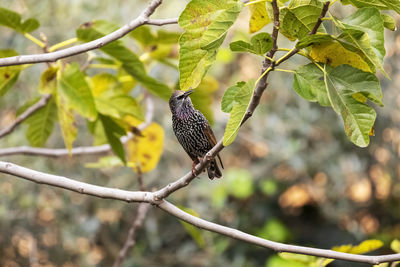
pixel 291 176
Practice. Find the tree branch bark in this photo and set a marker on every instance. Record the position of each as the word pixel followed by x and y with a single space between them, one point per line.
pixel 79 49
pixel 151 197
pixel 30 111
pixel 76 151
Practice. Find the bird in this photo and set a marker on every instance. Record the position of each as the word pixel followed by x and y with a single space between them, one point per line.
pixel 193 131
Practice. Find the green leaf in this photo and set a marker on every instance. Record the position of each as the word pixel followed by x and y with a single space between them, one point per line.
pixel 130 61
pixel 48 80
pixel 8 75
pixel 73 88
pixel 111 99
pixel 313 39
pixel 299 18
pixel 119 105
pixel 30 25
pixel 388 22
pixel 206 24
pixel 41 124
pixel 364 31
pixel 167 37
pixel 113 133
pixel 307 259
pixel 242 97
pixel 67 123
pixel 105 162
pixel 27 105
pixel 143 35
pixel 11 19
pixel 380 4
pixel 146 37
pixel 275 261
pixel 309 83
pixel 228 100
pixel 341 88
pixel 193 231
pixel 260 44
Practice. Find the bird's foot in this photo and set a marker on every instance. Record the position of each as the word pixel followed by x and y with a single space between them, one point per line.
pixel 194 167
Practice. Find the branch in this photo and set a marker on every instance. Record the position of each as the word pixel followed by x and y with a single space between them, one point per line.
pixel 136 224
pixel 30 111
pixel 77 151
pixel 95 44
pixel 131 239
pixel 149 197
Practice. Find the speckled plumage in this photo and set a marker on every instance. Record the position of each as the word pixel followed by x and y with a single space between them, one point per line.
pixel 193 130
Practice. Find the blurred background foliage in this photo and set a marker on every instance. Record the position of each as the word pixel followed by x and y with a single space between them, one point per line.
pixel 291 176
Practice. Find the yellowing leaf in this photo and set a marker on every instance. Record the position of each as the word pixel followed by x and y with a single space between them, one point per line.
pixel 67 125
pixel 335 54
pixel 48 80
pixel 145 151
pixel 395 245
pixel 102 82
pixel 132 121
pixel 363 247
pixel 259 17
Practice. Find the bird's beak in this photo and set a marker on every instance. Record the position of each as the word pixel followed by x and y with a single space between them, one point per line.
pixel 187 93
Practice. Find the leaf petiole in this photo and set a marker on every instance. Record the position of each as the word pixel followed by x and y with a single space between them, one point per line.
pixel 62 44
pixel 283 70
pixel 34 39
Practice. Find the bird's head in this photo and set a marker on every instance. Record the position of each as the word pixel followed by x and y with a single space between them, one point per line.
pixel 180 99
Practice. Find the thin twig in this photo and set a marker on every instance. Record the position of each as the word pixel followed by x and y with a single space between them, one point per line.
pixel 131 238
pixel 149 197
pixel 95 44
pixel 30 111
pixel 77 151
pixel 136 224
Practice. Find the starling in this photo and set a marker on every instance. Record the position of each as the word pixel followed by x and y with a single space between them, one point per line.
pixel 193 131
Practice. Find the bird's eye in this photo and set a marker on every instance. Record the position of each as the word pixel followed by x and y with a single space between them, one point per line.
pixel 181 96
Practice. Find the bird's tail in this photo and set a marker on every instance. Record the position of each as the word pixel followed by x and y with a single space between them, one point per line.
pixel 213 169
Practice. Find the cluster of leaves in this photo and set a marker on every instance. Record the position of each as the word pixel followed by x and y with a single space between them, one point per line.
pixel 342 74
pixel 104 99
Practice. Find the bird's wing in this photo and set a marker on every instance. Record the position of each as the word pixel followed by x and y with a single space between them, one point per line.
pixel 211 138
pixel 209 134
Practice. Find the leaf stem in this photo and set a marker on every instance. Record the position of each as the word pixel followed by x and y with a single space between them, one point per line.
pixel 300 52
pixel 262 75
pixel 34 39
pixel 269 58
pixel 322 69
pixel 288 54
pixel 332 3
pixel 283 70
pixel 62 44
